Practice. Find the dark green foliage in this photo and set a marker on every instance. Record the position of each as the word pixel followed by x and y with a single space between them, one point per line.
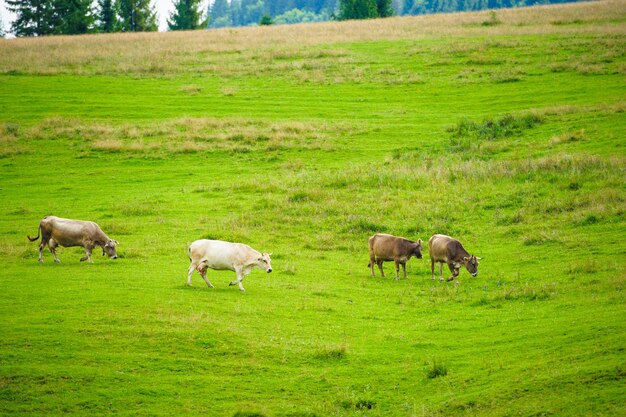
pixel 34 17
pixel 107 16
pixel 384 9
pixel 266 20
pixel 137 16
pixel 186 15
pixel 219 14
pixel 73 17
pixel 357 9
pixel 51 17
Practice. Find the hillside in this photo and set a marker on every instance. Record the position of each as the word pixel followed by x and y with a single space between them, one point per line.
pixel 505 130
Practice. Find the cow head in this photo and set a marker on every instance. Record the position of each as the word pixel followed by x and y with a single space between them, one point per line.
pixel 417 252
pixel 109 248
pixel 471 263
pixel 264 262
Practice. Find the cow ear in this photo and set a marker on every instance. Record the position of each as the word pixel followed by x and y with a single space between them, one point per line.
pixel 465 259
pixel 116 242
pixel 419 241
pixel 479 259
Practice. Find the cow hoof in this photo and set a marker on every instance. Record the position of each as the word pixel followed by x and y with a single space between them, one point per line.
pixel 232 283
pixel 56 261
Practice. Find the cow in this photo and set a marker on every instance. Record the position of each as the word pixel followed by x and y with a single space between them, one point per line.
pixel 57 231
pixel 219 255
pixel 384 247
pixel 442 248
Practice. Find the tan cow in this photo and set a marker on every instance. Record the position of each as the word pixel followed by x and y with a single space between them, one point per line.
pixel 442 248
pixel 384 247
pixel 220 255
pixel 57 231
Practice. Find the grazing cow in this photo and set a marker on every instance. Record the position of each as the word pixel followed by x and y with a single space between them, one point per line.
pixel 219 255
pixel 56 231
pixel 442 248
pixel 385 247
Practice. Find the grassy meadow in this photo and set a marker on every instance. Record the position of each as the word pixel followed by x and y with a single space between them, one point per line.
pixel 506 130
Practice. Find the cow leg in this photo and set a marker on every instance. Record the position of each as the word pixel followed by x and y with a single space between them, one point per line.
pixel 380 266
pixel 441 271
pixel 371 265
pixel 397 263
pixel 404 269
pixel 41 246
pixel 52 245
pixel 192 268
pixel 204 277
pixel 240 276
pixel 455 272
pixel 87 256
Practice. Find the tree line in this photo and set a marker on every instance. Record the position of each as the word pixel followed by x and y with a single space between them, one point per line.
pixel 68 17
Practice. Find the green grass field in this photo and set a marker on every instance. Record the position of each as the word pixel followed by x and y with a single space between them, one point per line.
pixel 303 141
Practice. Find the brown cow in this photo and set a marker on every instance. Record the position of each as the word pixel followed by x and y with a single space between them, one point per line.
pixel 385 247
pixel 65 232
pixel 442 248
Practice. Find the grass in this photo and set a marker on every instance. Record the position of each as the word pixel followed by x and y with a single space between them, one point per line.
pixel 303 141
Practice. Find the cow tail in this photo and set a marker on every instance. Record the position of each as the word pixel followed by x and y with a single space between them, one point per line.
pixel 32 239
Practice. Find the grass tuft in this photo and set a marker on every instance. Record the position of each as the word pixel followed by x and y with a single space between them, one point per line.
pixel 436 369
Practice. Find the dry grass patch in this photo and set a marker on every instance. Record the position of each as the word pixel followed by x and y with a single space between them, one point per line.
pixel 165 54
pixel 187 135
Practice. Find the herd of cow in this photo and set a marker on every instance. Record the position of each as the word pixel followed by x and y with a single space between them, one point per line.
pixel 241 258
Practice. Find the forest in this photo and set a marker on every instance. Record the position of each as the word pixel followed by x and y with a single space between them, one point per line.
pixel 68 17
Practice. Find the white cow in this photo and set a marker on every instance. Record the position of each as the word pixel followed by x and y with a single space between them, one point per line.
pixel 220 256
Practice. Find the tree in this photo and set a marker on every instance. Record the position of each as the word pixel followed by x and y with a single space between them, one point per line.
pixel 137 16
pixel 107 16
pixel 73 17
pixel 358 9
pixel 384 8
pixel 219 14
pixel 34 17
pixel 186 15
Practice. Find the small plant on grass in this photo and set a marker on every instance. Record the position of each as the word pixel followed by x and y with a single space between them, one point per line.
pixel 493 20
pixel 436 369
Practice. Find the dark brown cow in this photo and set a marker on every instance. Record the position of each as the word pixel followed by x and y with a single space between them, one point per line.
pixel 442 248
pixel 385 247
pixel 65 232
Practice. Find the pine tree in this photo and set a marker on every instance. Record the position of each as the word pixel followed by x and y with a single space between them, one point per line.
pixel 107 16
pixel 34 17
pixel 137 16
pixel 73 17
pixel 358 9
pixel 219 14
pixel 185 16
pixel 384 8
